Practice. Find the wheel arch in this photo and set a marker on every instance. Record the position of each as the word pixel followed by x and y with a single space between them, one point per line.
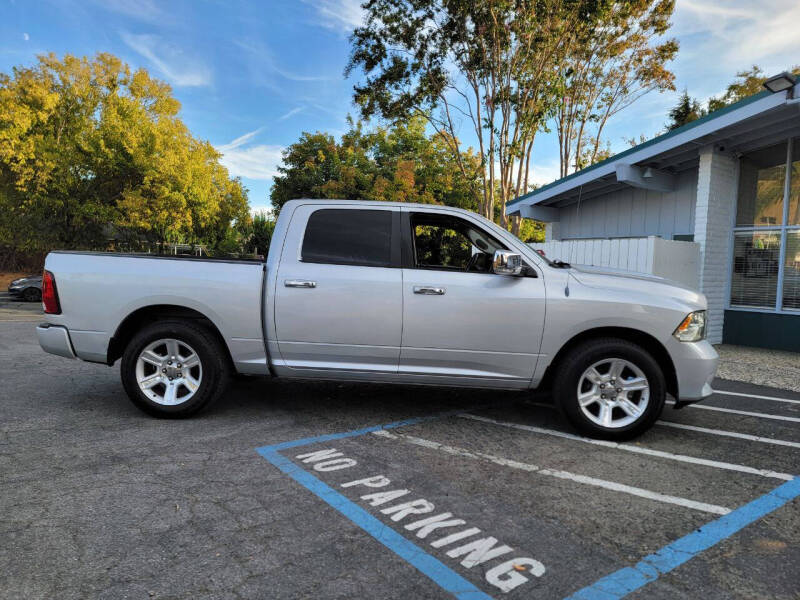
pixel 158 312
pixel 645 340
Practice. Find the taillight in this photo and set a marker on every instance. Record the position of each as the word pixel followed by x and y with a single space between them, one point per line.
pixel 50 294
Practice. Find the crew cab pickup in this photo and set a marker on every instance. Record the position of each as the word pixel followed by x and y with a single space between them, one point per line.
pixel 384 292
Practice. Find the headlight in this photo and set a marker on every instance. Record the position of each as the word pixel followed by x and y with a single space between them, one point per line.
pixel 692 328
pixel 17 282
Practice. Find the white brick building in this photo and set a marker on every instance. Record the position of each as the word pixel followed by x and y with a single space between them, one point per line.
pixel 729 183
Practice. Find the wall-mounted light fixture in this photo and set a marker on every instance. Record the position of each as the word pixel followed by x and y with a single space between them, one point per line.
pixel 781 82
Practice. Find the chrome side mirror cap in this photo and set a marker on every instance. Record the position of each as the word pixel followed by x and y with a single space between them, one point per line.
pixel 506 263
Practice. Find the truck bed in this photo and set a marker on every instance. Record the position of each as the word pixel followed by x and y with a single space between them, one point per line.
pixel 98 291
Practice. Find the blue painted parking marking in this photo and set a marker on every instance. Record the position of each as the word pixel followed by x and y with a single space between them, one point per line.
pixel 427 564
pixel 437 571
pixel 650 568
pixel 611 587
pixel 349 434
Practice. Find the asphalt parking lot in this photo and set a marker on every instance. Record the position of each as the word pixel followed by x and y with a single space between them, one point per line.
pixel 15 309
pixel 324 490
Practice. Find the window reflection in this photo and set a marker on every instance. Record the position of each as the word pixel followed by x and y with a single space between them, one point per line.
pixel 794 185
pixel 762 177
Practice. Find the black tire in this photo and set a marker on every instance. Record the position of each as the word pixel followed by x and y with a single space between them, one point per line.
pixel 32 294
pixel 571 368
pixel 213 360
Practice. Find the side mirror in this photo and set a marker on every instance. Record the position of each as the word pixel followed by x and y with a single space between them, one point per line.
pixel 506 263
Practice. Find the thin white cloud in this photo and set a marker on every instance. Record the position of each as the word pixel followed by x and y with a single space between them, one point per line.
pixel 144 10
pixel 26 37
pixel 261 61
pixel 258 161
pixel 339 15
pixel 544 173
pixel 172 62
pixel 291 113
pixel 539 174
pixel 242 139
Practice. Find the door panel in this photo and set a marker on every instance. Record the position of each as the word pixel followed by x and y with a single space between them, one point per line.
pixel 336 316
pixel 461 323
pixel 482 326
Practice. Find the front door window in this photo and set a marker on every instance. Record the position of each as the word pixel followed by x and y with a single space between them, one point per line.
pixel 449 243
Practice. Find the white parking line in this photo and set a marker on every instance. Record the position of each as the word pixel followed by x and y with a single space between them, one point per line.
pixel 593 481
pixel 746 413
pixel 637 449
pixel 733 434
pixel 756 396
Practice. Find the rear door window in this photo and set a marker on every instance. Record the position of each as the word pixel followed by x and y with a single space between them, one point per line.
pixel 349 237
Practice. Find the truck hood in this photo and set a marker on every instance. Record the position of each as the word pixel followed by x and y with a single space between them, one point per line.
pixel 638 283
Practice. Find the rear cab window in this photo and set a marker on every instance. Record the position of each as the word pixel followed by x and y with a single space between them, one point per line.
pixel 359 237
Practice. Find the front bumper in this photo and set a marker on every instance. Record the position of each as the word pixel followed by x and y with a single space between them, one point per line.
pixel 695 369
pixel 15 291
pixel 55 340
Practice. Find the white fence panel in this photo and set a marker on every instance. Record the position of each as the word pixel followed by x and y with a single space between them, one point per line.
pixel 652 255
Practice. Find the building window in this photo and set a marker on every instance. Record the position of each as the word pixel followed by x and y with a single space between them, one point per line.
pixel 761 179
pixel 756 257
pixel 794 185
pixel 766 238
pixel 791 272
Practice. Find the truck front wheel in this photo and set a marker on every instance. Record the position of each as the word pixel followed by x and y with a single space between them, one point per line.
pixel 610 388
pixel 173 369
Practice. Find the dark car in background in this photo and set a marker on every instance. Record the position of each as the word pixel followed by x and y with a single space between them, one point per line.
pixel 27 288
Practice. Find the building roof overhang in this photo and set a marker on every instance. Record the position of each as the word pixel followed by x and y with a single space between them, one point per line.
pixel 755 122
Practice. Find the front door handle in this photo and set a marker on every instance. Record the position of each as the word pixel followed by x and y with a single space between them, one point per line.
pixel 299 283
pixel 428 291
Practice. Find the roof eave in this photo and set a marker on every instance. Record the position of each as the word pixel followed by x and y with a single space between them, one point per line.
pixel 687 134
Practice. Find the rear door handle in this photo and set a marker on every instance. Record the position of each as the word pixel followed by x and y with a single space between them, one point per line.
pixel 428 291
pixel 299 283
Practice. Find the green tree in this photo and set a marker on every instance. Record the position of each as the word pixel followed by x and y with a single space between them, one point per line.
pixel 318 166
pixel 400 163
pixel 613 60
pixel 685 111
pixel 593 152
pixel 487 63
pixel 261 230
pixel 747 83
pixel 91 150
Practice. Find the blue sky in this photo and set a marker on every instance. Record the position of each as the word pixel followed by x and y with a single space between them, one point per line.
pixel 251 76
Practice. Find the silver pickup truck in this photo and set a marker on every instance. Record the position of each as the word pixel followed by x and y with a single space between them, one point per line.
pixel 383 292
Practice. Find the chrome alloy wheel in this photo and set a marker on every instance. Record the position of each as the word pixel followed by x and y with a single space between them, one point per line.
pixel 169 372
pixel 613 393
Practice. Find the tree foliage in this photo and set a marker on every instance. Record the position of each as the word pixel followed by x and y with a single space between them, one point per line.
pixel 397 164
pixel 260 233
pixel 747 83
pixel 504 67
pixel 613 60
pixel 400 163
pixel 90 150
pixel 685 111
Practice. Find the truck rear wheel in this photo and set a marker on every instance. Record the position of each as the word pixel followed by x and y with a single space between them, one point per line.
pixel 173 369
pixel 610 388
